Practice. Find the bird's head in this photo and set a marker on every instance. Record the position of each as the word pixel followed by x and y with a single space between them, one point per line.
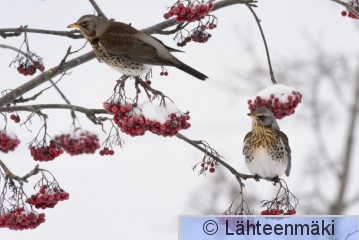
pixel 264 117
pixel 91 26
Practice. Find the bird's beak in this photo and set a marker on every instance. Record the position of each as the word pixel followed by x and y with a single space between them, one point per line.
pixel 74 25
pixel 252 116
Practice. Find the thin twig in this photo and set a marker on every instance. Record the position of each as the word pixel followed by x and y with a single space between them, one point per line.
pixel 265 44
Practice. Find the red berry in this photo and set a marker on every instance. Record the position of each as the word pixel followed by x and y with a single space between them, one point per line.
pixel 344 13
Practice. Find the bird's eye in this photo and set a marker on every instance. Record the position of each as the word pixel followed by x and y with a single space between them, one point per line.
pixel 261 117
pixel 84 23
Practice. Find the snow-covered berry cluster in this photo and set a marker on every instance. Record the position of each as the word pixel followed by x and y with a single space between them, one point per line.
pixel 106 151
pixel 278 212
pixel 8 142
pixel 355 5
pixel 78 142
pixel 20 219
pixel 47 197
pixel 30 68
pixel 136 120
pixel 15 118
pixel 189 13
pixel 279 98
pixel 46 153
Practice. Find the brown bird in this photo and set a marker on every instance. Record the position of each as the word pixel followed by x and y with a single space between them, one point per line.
pixel 266 149
pixel 127 49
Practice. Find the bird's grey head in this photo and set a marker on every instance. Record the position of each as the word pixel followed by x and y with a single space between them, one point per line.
pixel 91 26
pixel 264 117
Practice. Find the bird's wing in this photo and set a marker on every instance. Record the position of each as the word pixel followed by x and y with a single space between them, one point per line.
pixel 168 48
pixel 128 43
pixel 285 141
pixel 248 135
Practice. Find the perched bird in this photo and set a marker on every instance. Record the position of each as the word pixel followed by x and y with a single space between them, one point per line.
pixel 266 149
pixel 127 49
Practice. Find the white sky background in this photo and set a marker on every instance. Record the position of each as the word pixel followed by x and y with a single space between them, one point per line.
pixel 139 192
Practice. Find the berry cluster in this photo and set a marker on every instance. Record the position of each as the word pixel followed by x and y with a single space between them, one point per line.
pixel 208 166
pixel 46 153
pixel 47 198
pixel 30 69
pixel 200 36
pixel 8 143
pixel 79 143
pixel 188 13
pixel 19 219
pixel 132 121
pixel 164 73
pixel 106 151
pixel 15 118
pixel 278 212
pixel 280 99
pixel 355 5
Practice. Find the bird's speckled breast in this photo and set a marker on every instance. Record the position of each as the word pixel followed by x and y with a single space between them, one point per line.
pixel 124 66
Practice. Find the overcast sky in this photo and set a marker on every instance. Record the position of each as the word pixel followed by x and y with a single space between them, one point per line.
pixel 140 191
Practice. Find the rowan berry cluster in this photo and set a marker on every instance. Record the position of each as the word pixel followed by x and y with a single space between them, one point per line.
pixel 189 13
pixel 47 197
pixel 46 153
pixel 208 166
pixel 132 121
pixel 355 5
pixel 199 34
pixel 78 143
pixel 8 143
pixel 278 212
pixel 15 118
pixel 106 151
pixel 20 219
pixel 282 101
pixel 29 69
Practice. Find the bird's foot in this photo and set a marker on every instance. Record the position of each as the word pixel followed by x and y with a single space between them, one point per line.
pixel 275 180
pixel 257 177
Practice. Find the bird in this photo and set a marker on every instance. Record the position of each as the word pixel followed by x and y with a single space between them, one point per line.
pixel 127 49
pixel 266 148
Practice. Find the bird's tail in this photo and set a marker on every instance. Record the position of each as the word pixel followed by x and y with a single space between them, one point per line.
pixel 192 71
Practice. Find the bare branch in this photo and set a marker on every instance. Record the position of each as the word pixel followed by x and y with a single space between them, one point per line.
pixel 12 32
pixel 45 76
pixel 98 9
pixel 265 44
pixel 12 176
pixel 37 107
pixel 338 206
pixel 347 6
pixel 238 175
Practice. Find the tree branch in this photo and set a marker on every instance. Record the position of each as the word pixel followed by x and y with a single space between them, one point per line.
pixel 14 32
pixel 338 206
pixel 98 9
pixel 347 6
pixel 45 76
pixel 265 44
pixel 238 175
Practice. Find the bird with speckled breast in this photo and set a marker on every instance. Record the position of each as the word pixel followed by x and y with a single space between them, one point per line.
pixel 266 148
pixel 127 49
